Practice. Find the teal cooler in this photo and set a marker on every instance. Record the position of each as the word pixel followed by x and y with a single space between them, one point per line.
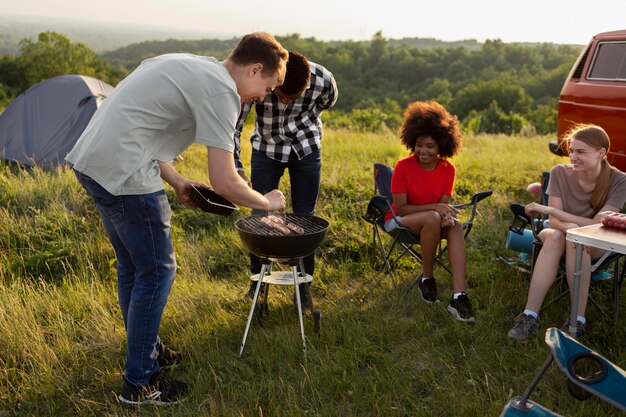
pixel 520 243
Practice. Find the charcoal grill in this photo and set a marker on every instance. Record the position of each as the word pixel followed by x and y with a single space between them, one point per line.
pixel 271 245
pixel 267 242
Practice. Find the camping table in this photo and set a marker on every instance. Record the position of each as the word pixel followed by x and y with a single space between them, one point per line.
pixel 610 239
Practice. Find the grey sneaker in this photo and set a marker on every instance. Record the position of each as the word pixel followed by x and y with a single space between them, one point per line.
pixel 580 328
pixel 428 290
pixel 461 308
pixel 523 327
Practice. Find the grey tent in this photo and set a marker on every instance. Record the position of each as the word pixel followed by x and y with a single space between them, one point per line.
pixel 43 123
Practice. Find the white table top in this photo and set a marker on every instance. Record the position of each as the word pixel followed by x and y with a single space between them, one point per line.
pixel 599 236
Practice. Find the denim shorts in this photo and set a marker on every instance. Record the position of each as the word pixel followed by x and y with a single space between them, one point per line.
pixel 391 224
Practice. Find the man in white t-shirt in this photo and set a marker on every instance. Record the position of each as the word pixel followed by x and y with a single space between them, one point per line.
pixel 121 159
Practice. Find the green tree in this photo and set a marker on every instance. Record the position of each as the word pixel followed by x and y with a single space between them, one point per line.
pixel 438 89
pixel 378 47
pixel 11 75
pixel 544 117
pixel 54 54
pixel 508 96
pixel 494 120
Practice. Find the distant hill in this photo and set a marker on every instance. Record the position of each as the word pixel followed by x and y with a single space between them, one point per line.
pixel 98 36
pixel 430 43
pixel 469 44
pixel 130 55
pixel 123 43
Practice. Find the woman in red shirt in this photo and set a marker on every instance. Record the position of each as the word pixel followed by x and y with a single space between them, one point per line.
pixel 421 185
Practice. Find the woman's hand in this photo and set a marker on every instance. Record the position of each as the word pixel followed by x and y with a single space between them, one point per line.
pixel 448 221
pixel 446 210
pixel 535 208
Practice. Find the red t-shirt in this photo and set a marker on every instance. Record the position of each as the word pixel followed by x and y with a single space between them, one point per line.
pixel 420 186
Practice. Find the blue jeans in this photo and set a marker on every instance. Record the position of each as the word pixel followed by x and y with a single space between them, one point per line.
pixel 305 177
pixel 139 230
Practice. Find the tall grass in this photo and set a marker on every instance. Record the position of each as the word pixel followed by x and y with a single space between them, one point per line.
pixel 381 351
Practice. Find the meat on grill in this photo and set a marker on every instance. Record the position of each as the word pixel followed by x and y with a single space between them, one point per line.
pixel 275 225
pixel 293 227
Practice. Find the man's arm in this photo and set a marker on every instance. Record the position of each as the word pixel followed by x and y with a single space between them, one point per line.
pixel 180 184
pixel 227 183
pixel 329 95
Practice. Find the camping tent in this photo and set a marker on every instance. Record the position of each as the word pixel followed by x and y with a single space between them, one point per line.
pixel 44 122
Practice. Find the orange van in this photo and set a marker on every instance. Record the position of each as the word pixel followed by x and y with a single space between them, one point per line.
pixel 595 92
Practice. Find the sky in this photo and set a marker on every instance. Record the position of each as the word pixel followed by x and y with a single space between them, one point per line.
pixel 557 21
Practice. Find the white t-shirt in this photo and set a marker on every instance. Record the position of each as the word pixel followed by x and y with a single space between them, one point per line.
pixel 154 114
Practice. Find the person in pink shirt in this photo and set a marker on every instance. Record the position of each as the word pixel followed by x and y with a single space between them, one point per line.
pixel 422 185
pixel 579 194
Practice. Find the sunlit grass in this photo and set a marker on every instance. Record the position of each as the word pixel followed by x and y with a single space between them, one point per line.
pixel 381 352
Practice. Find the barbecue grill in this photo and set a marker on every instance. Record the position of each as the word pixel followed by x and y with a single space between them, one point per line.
pixel 273 245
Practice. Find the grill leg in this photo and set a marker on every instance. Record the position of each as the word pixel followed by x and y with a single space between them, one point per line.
pixel 254 299
pixel 294 269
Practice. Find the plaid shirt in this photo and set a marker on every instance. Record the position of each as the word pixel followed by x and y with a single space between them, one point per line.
pixel 283 128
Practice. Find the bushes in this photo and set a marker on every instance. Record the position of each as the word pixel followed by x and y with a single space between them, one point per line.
pixel 492 120
pixel 368 117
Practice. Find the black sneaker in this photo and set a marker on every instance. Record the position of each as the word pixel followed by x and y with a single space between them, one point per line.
pixel 252 289
pixel 159 391
pixel 304 297
pixel 524 326
pixel 461 308
pixel 428 290
pixel 580 328
pixel 167 357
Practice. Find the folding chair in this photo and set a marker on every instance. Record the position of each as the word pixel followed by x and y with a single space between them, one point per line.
pixel 523 240
pixel 599 270
pixel 403 239
pixel 588 374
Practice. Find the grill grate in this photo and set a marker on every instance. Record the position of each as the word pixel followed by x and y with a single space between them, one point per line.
pixel 310 225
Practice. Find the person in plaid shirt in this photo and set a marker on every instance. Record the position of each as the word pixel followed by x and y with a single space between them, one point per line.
pixel 288 135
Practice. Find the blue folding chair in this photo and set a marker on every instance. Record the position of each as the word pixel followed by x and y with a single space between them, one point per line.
pixel 530 409
pixel 588 374
pixel 402 238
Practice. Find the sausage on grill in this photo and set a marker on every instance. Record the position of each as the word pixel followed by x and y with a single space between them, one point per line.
pixel 275 225
pixel 293 227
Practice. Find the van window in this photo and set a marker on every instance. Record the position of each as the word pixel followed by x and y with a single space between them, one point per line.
pixel 609 62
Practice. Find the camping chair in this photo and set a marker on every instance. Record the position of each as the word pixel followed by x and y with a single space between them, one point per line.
pixel 599 270
pixel 522 239
pixel 588 374
pixel 402 238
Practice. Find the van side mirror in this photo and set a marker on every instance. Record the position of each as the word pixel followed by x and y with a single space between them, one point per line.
pixel 556 149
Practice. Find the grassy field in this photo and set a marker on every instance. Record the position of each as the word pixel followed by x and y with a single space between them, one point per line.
pixel 381 351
